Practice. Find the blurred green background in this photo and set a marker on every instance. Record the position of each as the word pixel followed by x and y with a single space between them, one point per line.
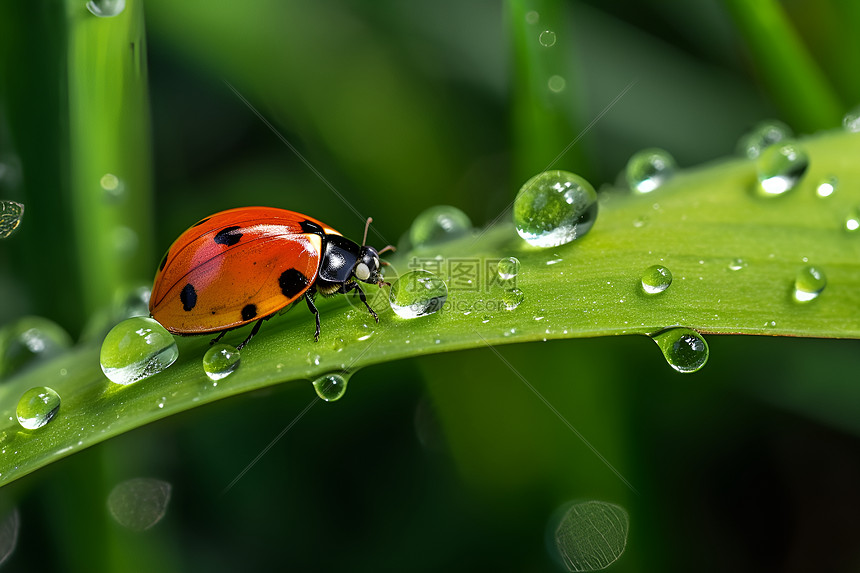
pixel 448 461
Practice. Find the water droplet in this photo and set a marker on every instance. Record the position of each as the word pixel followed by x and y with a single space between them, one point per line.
pixel 851 120
pixel 761 136
pixel 106 8
pixel 9 527
pixel 656 279
pixel 417 293
pixel 809 283
pixel 737 264
pixel 827 186
pixel 547 38
pixel 11 214
pixel 29 341
pixel 220 361
pixel 513 298
pixel 139 503
pixel 592 535
pixel 331 387
pixel 684 349
pixel 556 84
pixel 37 407
pixel 508 268
pixel 135 349
pixel 852 220
pixel 554 208
pixel 438 224
pixel 649 169
pixel 780 167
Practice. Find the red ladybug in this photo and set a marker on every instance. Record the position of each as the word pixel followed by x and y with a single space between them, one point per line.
pixel 246 264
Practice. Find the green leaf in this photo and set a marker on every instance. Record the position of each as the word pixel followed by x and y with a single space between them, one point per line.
pixel 696 225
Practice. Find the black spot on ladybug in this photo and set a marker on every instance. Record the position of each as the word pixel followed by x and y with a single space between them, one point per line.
pixel 249 311
pixel 228 236
pixel 188 296
pixel 292 283
pixel 198 223
pixel 311 227
pixel 163 261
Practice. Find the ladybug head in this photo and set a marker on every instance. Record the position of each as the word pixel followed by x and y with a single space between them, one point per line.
pixel 368 265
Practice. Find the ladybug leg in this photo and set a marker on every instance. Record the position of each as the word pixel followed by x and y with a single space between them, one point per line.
pixel 217 338
pixel 309 299
pixel 254 331
pixel 353 286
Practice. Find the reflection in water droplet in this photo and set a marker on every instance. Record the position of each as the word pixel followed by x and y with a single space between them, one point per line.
pixel 592 535
pixel 417 293
pixel 761 136
pixel 439 224
pixel 780 168
pixel 37 407
pixel 331 387
pixel 220 361
pixel 106 8
pixel 11 214
pixel 649 169
pixel 827 186
pixel 135 349
pixel 656 279
pixel 554 208
pixel 139 503
pixel 547 38
pixel 809 283
pixel 684 349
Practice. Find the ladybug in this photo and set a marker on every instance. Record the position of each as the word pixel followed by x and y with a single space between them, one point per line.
pixel 244 265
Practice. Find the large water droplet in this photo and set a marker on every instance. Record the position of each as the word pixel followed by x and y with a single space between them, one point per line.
pixel 28 341
pixel 106 8
pixel 437 224
pixel 220 361
pixel 656 279
pixel 809 283
pixel 547 38
pixel 139 503
pixel 508 268
pixel 37 407
pixel 11 214
pixel 649 169
pixel 417 293
pixel 684 349
pixel 780 167
pixel 331 387
pixel 135 349
pixel 851 120
pixel 554 208
pixel 9 527
pixel 592 535
pixel 761 136
pixel 512 298
pixel 827 186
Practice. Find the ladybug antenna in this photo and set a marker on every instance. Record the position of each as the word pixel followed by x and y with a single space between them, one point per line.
pixel 366 228
pixel 388 248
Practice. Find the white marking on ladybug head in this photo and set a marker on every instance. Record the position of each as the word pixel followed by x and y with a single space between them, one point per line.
pixel 362 272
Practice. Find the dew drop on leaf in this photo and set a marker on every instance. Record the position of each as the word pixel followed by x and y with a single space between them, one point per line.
pixel 135 349
pixel 417 293
pixel 37 407
pixel 656 279
pixel 808 284
pixel 554 208
pixel 780 168
pixel 683 348
pixel 331 387
pixel 763 135
pixel 220 361
pixel 649 169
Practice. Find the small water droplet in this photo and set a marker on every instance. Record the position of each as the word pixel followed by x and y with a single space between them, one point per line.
pixel 737 264
pixel 513 298
pixel 761 136
pixel 649 169
pixel 780 167
pixel 852 220
pixel 809 283
pixel 139 503
pixel 439 224
pixel 684 349
pixel 29 341
pixel 508 268
pixel 417 293
pixel 331 387
pixel 547 38
pixel 851 120
pixel 37 407
pixel 135 349
pixel 556 84
pixel 827 186
pixel 656 279
pixel 106 8
pixel 220 361
pixel 11 214
pixel 592 535
pixel 554 208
